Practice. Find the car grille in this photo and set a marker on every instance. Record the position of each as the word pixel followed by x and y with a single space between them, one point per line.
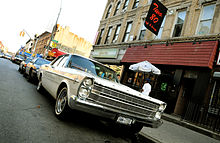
pixel 118 100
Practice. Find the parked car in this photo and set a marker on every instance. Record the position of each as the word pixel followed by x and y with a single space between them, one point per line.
pixel 83 84
pixel 7 56
pixel 1 55
pixel 23 65
pixel 18 59
pixel 33 67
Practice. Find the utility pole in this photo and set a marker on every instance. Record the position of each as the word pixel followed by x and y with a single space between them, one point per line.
pixel 35 44
pixel 54 30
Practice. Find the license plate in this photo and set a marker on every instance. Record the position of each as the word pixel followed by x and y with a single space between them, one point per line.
pixel 123 120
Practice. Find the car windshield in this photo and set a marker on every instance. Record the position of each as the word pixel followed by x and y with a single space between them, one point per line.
pixel 28 60
pixel 41 61
pixel 19 56
pixel 95 68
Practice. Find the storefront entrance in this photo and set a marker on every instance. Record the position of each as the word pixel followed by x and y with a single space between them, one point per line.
pixel 184 96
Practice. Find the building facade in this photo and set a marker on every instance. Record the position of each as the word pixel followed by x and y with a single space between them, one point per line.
pixel 28 46
pixel 186 50
pixel 1 47
pixel 40 43
pixel 69 42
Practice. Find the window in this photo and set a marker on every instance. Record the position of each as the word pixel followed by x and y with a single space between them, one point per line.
pixel 125 7
pixel 215 98
pixel 100 37
pixel 142 33
pixel 80 63
pixel 108 36
pixel 117 7
pixel 206 20
pixel 136 3
pixel 127 32
pixel 116 33
pixel 62 63
pixel 109 11
pixel 41 61
pixel 179 24
pixel 57 61
pixel 161 29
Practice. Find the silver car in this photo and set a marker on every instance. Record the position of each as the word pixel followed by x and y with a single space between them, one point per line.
pixel 83 84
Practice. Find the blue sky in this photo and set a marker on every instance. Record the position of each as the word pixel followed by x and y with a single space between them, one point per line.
pixel 83 18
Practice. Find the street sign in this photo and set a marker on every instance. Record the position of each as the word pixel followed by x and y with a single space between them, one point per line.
pixel 155 16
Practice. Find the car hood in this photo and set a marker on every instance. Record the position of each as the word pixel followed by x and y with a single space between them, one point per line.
pixel 18 59
pixel 115 85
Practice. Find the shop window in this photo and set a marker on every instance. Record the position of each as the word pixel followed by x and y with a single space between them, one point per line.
pixel 206 20
pixel 127 32
pixel 179 24
pixel 108 35
pixel 100 37
pixel 215 98
pixel 136 3
pixel 117 7
pixel 116 34
pixel 108 12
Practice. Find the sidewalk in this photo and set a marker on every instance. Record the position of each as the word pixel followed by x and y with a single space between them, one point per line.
pixel 175 130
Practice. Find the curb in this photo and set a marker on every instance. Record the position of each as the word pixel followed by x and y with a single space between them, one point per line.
pixel 193 127
pixel 146 138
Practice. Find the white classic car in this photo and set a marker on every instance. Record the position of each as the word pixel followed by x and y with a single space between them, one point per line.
pixel 86 85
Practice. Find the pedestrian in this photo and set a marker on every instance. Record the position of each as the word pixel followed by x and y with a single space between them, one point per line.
pixel 147 87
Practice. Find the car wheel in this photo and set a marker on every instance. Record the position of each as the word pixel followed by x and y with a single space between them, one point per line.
pixel 29 75
pixel 40 88
pixel 21 70
pixel 61 107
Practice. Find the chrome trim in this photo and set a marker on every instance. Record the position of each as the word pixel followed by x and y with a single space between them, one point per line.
pixel 120 101
pixel 153 105
pixel 74 80
pixel 107 109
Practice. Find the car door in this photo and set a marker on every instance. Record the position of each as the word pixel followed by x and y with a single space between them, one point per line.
pixel 54 75
pixel 29 65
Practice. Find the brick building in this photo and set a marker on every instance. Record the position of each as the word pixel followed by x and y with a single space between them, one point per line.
pixel 186 50
pixel 43 41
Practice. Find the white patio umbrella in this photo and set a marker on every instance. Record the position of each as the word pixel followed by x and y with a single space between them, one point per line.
pixel 145 66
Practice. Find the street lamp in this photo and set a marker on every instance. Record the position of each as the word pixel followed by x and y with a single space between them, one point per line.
pixel 54 30
pixel 36 38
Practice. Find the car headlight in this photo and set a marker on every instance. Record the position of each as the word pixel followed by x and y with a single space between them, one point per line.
pixel 162 107
pixel 158 115
pixel 85 88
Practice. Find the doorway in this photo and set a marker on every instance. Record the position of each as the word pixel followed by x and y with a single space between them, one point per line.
pixel 184 96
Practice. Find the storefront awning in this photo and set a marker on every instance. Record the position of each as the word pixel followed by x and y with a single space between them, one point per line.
pixel 200 54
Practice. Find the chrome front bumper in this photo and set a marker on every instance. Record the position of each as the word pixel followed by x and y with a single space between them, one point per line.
pixel 109 113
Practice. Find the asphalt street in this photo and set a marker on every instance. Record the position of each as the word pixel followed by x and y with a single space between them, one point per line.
pixel 28 116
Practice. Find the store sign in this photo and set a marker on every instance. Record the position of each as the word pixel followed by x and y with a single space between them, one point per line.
pixel 105 53
pixel 155 16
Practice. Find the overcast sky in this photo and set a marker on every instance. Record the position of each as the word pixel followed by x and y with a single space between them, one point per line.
pixel 36 16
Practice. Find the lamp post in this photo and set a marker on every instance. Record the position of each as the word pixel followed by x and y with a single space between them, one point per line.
pixel 54 30
pixel 36 38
